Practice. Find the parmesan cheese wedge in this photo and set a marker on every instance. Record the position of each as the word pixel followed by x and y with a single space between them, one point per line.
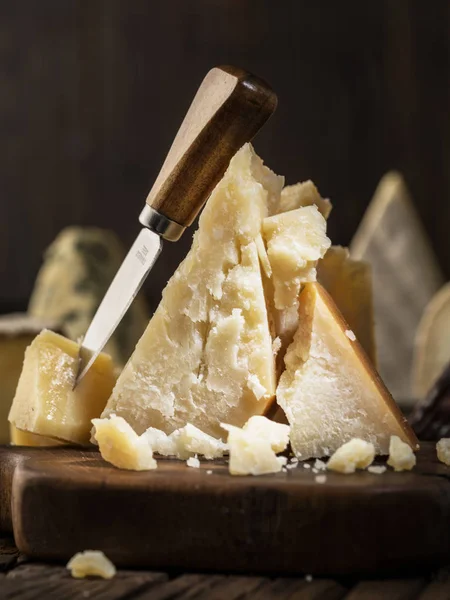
pixel 349 283
pixel 206 355
pixel 330 391
pixel 45 402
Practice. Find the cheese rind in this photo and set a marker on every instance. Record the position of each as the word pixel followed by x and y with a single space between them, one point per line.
pixel 120 445
pixel 355 454
pixel 45 402
pixel 206 355
pixel 91 562
pixel 329 391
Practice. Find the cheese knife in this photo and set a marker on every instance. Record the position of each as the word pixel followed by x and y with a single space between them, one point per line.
pixel 229 108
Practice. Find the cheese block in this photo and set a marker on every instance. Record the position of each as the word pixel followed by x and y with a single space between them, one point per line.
pixel 349 283
pixel 45 402
pixel 406 276
pixel 432 343
pixel 77 271
pixel 206 356
pixel 330 391
pixel 17 331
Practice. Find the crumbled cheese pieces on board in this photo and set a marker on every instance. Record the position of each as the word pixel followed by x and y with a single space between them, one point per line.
pixel 91 562
pixel 253 448
pixel 401 456
pixel 355 454
pixel 377 469
pixel 185 442
pixel 193 462
pixel 46 403
pixel 121 446
pixel 443 450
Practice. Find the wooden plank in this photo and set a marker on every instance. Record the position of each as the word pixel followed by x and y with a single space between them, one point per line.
pixel 185 587
pixel 387 590
pixel 437 590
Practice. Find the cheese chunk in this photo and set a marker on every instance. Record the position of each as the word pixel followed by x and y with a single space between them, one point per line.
pixel 121 446
pixel 355 454
pixel 406 275
pixel 349 283
pixel 443 450
pixel 303 194
pixel 45 402
pixel 77 270
pixel 206 355
pixel 401 456
pixel 91 562
pixel 253 447
pixel 185 442
pixel 329 391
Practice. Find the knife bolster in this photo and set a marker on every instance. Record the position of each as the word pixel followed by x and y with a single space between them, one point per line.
pixel 160 224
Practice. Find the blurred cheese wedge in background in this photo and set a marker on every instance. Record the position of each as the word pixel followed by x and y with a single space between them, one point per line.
pixel 17 331
pixel 330 392
pixel 432 343
pixel 349 283
pixel 406 276
pixel 45 403
pixel 77 270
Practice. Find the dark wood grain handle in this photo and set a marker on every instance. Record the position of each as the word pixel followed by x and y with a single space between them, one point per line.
pixel 229 108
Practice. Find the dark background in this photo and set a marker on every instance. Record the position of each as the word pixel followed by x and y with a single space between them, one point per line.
pixel 93 91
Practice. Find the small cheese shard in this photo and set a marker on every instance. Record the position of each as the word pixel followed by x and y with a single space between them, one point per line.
pixel 329 391
pixel 320 478
pixel 393 240
pixel 193 462
pixel 253 447
pixel 77 270
pixel 303 194
pixel 349 283
pixel 120 445
pixel 185 442
pixel 206 355
pixel 377 469
pixel 355 454
pixel 91 562
pixel 25 438
pixel 401 456
pixel 45 402
pixel 432 343
pixel 443 450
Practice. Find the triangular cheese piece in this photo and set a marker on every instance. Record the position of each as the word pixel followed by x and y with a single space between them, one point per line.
pixel 349 283
pixel 206 355
pixel 406 275
pixel 330 391
pixel 432 343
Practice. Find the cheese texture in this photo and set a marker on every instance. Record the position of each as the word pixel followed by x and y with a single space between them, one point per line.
pixel 77 271
pixel 45 402
pixel 25 438
pixel 401 456
pixel 355 454
pixel 120 445
pixel 329 391
pixel 393 240
pixel 349 283
pixel 91 562
pixel 443 450
pixel 253 447
pixel 206 355
pixel 303 194
pixel 184 443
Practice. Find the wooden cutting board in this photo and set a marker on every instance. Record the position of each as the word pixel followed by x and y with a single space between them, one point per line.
pixel 66 500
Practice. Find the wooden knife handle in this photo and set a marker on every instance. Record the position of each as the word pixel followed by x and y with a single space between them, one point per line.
pixel 229 108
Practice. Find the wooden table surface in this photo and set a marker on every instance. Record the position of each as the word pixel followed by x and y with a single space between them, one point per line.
pixel 22 579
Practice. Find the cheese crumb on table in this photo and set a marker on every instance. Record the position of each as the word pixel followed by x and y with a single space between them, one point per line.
pixel 121 446
pixel 443 450
pixel 401 456
pixel 185 442
pixel 321 478
pixel 355 454
pixel 377 469
pixel 209 472
pixel 193 462
pixel 306 466
pixel 351 336
pixel 91 562
pixel 320 465
pixel 253 448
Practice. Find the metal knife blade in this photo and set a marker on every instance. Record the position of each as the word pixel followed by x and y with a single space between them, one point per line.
pixel 122 291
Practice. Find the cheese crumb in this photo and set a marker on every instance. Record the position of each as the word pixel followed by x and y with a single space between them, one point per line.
pixel 443 450
pixel 294 460
pixel 401 456
pixel 193 462
pixel 351 336
pixel 377 469
pixel 321 478
pixel 209 472
pixel 185 442
pixel 276 346
pixel 320 465
pixel 253 448
pixel 306 466
pixel 308 578
pixel 91 562
pixel 355 454
pixel 121 446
